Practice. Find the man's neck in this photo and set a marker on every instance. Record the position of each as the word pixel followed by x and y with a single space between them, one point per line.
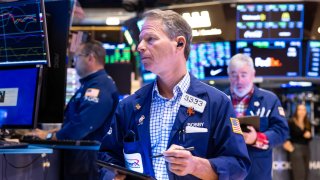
pixel 91 72
pixel 168 82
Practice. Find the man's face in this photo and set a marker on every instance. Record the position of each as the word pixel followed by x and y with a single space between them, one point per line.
pixel 241 79
pixel 80 62
pixel 157 51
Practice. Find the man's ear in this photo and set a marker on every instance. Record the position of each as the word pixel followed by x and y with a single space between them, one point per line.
pixel 180 44
pixel 181 41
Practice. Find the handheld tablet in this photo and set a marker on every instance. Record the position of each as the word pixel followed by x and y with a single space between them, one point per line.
pixel 249 121
pixel 121 170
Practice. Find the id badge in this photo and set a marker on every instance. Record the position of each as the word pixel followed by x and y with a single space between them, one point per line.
pixel 197 104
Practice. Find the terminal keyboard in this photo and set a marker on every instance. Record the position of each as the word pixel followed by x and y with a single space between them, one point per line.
pixel 12 145
pixel 68 142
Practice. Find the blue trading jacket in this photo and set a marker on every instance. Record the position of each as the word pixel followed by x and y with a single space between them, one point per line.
pixel 89 113
pixel 225 149
pixel 272 124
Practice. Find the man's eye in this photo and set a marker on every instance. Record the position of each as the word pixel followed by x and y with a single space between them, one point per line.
pixel 150 39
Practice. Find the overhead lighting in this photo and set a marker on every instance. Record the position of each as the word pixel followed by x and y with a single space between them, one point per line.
pixel 197 20
pixel 319 29
pixel 128 37
pixel 206 32
pixel 113 21
pixel 297 84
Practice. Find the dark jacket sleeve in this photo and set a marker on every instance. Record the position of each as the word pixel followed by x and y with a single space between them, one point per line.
pixel 111 144
pixel 278 130
pixel 231 156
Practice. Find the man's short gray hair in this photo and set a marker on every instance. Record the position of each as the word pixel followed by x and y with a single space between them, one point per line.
pixel 174 25
pixel 96 48
pixel 239 60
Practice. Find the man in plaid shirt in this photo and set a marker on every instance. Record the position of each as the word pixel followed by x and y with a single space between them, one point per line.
pixel 247 99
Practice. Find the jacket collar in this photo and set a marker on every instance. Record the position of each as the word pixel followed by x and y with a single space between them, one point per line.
pixel 142 103
pixel 91 76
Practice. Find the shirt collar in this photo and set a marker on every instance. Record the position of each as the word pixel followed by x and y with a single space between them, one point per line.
pixel 91 76
pixel 181 87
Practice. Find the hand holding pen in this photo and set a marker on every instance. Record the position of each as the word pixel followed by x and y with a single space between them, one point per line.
pixel 180 160
pixel 185 149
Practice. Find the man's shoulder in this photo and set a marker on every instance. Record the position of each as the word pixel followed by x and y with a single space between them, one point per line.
pixel 267 93
pixel 142 92
pixel 212 92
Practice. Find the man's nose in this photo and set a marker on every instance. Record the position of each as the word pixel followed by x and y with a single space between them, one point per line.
pixel 141 47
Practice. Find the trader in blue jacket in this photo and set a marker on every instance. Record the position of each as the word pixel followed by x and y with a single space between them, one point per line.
pixel 177 111
pixel 89 112
pixel 249 100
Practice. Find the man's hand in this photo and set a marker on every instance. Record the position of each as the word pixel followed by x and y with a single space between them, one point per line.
pixel 250 137
pixel 42 134
pixel 181 162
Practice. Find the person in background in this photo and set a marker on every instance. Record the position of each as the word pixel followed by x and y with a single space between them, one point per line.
pixel 298 143
pixel 174 112
pixel 249 100
pixel 89 112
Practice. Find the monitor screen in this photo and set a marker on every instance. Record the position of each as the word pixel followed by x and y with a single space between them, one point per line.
pixel 209 60
pixel 117 53
pixel 53 91
pixel 313 59
pixel 23 37
pixel 269 21
pixel 19 97
pixel 273 58
pixel 206 61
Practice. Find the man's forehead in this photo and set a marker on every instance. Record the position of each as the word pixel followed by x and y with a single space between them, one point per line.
pixel 152 24
pixel 151 28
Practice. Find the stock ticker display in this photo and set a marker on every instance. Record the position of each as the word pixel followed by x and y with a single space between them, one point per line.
pixel 22 33
pixel 269 21
pixel 313 59
pixel 117 53
pixel 206 61
pixel 209 60
pixel 273 58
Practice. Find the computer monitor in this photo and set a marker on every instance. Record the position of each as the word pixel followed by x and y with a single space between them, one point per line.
pixel 117 53
pixel 274 59
pixel 269 21
pixel 206 61
pixel 23 36
pixel 52 99
pixel 19 97
pixel 209 60
pixel 313 59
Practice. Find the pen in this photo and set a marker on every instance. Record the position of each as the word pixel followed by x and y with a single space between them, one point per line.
pixel 186 149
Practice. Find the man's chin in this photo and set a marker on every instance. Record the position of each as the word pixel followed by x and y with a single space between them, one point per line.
pixel 240 93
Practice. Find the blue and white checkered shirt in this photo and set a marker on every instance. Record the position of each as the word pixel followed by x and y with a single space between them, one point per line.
pixel 163 112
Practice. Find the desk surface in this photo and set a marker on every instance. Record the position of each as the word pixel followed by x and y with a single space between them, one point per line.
pixel 30 150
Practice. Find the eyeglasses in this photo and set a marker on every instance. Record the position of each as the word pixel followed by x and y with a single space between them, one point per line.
pixel 76 57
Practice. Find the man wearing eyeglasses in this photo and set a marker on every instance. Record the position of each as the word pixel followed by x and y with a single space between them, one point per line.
pixel 88 113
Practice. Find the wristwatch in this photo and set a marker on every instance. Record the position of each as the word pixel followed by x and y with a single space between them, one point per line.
pixel 49 136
